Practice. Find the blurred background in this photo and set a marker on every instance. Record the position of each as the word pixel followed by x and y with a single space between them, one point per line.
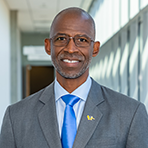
pixel 121 27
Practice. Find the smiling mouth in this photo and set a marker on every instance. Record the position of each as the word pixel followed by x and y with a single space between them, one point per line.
pixel 70 61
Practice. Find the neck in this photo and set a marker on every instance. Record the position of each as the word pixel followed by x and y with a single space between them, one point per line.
pixel 71 84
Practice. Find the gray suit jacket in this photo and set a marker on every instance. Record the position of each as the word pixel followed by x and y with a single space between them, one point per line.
pixel 119 122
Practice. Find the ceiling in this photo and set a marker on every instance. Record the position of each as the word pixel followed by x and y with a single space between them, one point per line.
pixel 37 15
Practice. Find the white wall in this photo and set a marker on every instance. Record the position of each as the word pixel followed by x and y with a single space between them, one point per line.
pixel 111 15
pixel 144 61
pixel 122 63
pixel 133 60
pixel 16 66
pixel 4 58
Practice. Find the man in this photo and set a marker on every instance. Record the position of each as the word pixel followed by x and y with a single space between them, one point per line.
pixel 104 118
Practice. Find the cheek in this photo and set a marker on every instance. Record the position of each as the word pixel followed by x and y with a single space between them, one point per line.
pixel 53 55
pixel 54 52
pixel 88 54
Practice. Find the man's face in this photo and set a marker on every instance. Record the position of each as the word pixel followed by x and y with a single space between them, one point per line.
pixel 71 61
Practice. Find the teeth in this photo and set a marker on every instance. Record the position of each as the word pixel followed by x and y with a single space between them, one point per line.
pixel 68 61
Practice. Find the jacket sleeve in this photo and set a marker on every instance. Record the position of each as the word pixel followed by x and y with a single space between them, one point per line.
pixel 7 139
pixel 138 133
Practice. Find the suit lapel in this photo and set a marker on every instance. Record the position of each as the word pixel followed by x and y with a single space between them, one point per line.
pixel 87 124
pixel 48 118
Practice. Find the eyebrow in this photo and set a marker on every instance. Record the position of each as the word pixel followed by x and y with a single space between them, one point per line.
pixel 74 35
pixel 60 34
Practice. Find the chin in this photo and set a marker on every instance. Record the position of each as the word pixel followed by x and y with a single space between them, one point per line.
pixel 70 76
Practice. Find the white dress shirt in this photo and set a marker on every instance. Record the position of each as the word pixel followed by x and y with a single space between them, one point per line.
pixel 81 92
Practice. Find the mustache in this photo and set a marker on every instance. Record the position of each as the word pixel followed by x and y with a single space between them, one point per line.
pixel 71 55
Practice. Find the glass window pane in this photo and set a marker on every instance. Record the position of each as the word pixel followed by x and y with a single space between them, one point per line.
pixel 124 12
pixel 134 7
pixel 143 3
pixel 115 15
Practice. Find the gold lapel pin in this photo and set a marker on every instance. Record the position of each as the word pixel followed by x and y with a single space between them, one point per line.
pixel 90 117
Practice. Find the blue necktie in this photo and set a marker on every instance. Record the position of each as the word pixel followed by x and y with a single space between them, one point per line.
pixel 69 128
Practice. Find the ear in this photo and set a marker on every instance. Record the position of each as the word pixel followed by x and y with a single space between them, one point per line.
pixel 96 48
pixel 47 46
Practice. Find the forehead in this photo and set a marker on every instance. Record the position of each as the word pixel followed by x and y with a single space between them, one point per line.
pixel 73 23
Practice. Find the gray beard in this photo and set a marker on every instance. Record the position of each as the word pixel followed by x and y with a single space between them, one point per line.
pixel 71 76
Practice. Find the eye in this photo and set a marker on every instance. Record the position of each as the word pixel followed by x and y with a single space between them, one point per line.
pixel 60 39
pixel 82 39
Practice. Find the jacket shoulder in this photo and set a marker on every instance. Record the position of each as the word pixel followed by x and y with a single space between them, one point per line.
pixel 33 101
pixel 115 99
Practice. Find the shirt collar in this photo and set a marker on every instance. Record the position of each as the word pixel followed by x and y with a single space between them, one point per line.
pixel 81 92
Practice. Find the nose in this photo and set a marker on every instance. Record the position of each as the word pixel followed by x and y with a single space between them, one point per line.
pixel 71 47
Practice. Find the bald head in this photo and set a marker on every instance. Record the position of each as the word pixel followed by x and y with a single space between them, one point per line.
pixel 72 44
pixel 74 15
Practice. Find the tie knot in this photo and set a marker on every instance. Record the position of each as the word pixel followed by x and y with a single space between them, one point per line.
pixel 70 99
